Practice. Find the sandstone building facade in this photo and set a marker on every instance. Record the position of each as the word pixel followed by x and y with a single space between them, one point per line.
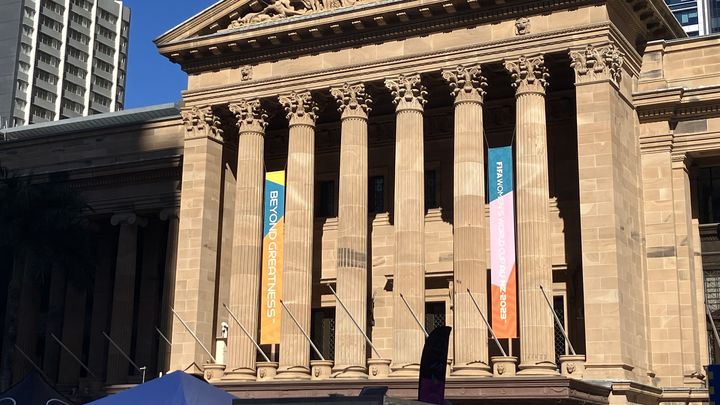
pixel 381 113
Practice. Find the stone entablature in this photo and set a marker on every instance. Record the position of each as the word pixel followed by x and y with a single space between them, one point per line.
pixel 369 23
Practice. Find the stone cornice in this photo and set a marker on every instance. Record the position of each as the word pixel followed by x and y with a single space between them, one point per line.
pixel 487 52
pixel 301 35
pixel 677 104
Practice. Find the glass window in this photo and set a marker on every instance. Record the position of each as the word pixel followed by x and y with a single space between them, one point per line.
pixel 708 194
pixel 326 199
pixel 323 332
pixel 434 315
pixel 376 194
pixel 687 17
pixel 431 200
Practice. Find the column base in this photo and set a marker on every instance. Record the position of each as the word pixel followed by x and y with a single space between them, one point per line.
pixel 572 366
pixel 240 374
pixel 410 370
pixel 504 366
pixel 350 372
pixel 378 368
pixel 293 373
pixel 544 368
pixel 266 371
pixel 475 369
pixel 321 369
pixel 214 372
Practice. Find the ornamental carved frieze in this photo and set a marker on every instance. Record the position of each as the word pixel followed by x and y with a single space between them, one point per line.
pixel 246 73
pixel 408 92
pixel 522 26
pixel 597 63
pixel 529 74
pixel 202 122
pixel 352 100
pixel 250 115
pixel 467 83
pixel 277 9
pixel 300 107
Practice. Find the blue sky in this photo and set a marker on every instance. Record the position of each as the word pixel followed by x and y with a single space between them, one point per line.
pixel 152 79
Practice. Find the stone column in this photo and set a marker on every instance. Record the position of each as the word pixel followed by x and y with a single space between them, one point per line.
pixel 101 301
pixel 537 349
pixel 409 221
pixel 469 242
pixel 168 295
pixel 247 240
pixel 197 257
pixel 73 333
pixel 123 296
pixel 612 233
pixel 350 345
pixel 297 276
pixel 147 298
pixel 687 266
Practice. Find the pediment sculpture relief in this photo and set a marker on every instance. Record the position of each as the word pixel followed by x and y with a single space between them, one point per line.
pixel 276 9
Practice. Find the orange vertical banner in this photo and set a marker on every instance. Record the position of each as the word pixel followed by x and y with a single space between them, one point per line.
pixel 272 258
pixel 502 242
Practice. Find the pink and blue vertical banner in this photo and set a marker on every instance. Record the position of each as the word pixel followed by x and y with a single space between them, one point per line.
pixel 502 242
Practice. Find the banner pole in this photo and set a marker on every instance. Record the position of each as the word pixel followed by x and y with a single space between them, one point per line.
pixel 415 316
pixel 112 342
pixel 163 337
pixel 303 331
pixel 492 332
pixel 52 335
pixel 32 363
pixel 712 323
pixel 197 339
pixel 246 333
pixel 557 321
pixel 367 339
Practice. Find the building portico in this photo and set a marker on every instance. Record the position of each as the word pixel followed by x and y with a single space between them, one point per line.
pixel 381 115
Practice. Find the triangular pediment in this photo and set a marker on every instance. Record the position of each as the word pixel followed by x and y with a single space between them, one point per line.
pixel 228 15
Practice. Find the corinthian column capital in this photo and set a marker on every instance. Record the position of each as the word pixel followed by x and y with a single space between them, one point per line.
pixel 529 74
pixel 467 83
pixel 408 91
pixel 201 122
pixel 251 117
pixel 353 101
pixel 597 63
pixel 300 107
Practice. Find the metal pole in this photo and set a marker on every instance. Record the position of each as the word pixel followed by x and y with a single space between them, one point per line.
pixel 163 337
pixel 32 363
pixel 303 331
pixel 112 342
pixel 557 320
pixel 73 355
pixel 194 335
pixel 415 316
pixel 492 332
pixel 257 346
pixel 712 323
pixel 367 339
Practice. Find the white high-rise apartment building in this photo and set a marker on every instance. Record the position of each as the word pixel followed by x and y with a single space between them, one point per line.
pixel 698 17
pixel 61 59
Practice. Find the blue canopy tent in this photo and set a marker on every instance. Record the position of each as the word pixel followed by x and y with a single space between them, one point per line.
pixel 176 388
